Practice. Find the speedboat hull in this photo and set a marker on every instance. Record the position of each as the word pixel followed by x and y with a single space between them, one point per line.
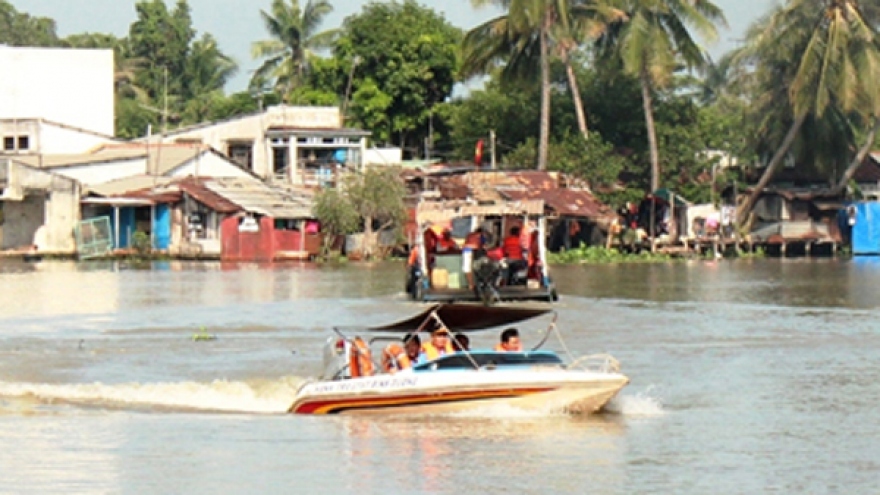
pixel 548 390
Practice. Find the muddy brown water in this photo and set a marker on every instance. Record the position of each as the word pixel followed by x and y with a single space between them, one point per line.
pixel 755 376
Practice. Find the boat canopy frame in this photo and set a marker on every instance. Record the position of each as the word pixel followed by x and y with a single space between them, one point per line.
pixel 462 318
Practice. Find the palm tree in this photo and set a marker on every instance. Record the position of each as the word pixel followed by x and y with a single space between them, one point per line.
pixel 581 22
pixel 295 37
pixel 523 40
pixel 519 39
pixel 837 61
pixel 207 71
pixel 653 42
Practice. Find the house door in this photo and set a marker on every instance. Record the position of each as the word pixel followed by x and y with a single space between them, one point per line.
pixel 162 226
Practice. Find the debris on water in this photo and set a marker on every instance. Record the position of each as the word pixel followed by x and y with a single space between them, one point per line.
pixel 203 335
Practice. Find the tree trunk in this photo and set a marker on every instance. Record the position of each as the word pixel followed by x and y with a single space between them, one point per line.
pixel 648 106
pixel 770 171
pixel 576 96
pixel 859 158
pixel 544 137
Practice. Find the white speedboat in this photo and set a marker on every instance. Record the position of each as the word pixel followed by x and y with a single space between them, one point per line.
pixel 531 380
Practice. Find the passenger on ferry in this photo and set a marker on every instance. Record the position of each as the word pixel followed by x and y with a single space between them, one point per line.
pixel 446 244
pixel 396 358
pixel 461 342
pixel 512 245
pixel 439 345
pixel 509 341
pixel 513 251
pixel 473 247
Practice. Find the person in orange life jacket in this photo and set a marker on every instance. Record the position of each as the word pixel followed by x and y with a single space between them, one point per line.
pixel 509 341
pixel 513 251
pixel 473 246
pixel 446 244
pixel 395 358
pixel 439 345
pixel 511 247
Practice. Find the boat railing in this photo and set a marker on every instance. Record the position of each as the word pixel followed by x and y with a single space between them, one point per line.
pixel 603 363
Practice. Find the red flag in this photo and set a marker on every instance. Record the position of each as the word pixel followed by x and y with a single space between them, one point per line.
pixel 478 153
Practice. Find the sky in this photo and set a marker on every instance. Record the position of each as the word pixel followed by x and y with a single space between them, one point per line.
pixel 237 23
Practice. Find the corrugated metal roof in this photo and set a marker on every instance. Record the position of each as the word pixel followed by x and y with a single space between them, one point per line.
pixel 256 197
pixel 199 191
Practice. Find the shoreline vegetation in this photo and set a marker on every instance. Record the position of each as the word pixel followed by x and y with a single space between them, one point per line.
pixel 589 255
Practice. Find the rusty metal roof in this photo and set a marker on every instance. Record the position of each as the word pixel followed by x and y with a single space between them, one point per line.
pixel 256 197
pixel 199 191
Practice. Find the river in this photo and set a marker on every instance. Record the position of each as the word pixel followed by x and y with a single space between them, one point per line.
pixel 751 376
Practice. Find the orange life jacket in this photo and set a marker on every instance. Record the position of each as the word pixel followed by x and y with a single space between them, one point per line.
pixel 360 360
pixel 432 352
pixel 500 348
pixel 394 358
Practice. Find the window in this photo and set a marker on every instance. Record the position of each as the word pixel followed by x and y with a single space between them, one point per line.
pixel 279 161
pixel 242 154
pixel 8 143
pixel 24 142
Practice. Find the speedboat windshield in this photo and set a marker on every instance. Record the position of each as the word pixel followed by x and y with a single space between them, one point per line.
pixel 472 359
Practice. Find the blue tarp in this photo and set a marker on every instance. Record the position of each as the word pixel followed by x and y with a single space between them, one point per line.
pixel 866 230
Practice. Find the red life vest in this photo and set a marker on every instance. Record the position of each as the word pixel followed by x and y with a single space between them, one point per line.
pixel 512 248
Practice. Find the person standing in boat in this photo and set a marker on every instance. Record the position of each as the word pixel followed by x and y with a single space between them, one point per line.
pixel 509 341
pixel 439 345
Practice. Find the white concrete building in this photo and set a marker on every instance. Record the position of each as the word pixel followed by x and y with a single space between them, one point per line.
pixel 286 144
pixel 73 87
pixel 37 208
pixel 45 137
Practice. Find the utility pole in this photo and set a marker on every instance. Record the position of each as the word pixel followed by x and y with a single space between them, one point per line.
pixel 354 63
pixel 164 126
pixel 492 148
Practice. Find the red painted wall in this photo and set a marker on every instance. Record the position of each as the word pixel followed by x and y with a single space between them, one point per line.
pixel 263 245
pixel 247 246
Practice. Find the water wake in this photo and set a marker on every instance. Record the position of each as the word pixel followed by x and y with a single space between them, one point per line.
pixel 639 405
pixel 269 396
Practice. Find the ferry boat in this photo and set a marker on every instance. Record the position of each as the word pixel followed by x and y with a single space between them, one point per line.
pixel 436 274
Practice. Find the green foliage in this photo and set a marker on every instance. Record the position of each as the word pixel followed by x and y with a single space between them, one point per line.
pixel 757 253
pixel 377 196
pixel 336 213
pixel 21 29
pixel 142 243
pixel 407 58
pixel 162 65
pixel 162 39
pixel 289 53
pixel 599 255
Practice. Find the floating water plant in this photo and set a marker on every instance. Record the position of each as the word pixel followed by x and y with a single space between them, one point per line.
pixel 203 335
